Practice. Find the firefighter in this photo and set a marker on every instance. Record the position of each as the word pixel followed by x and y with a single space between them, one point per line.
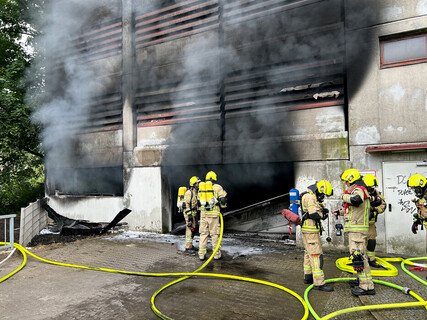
pixel 418 184
pixel 356 223
pixel 191 208
pixel 313 211
pixel 209 216
pixel 378 206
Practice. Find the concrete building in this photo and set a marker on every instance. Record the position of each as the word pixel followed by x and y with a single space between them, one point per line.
pixel 269 94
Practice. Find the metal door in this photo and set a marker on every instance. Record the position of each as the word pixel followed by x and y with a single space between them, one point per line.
pixel 400 208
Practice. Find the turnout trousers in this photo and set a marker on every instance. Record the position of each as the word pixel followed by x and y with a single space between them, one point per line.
pixel 313 257
pixel 357 241
pixel 209 226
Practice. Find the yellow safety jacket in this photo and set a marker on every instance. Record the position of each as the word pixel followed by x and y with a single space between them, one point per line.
pixel 378 209
pixel 356 218
pixel 218 192
pixel 309 205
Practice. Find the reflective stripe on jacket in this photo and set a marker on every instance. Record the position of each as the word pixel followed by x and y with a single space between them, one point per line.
pixel 309 205
pixel 190 199
pixel 421 205
pixel 356 217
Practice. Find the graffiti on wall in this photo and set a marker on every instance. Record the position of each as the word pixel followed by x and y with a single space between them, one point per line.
pixel 404 195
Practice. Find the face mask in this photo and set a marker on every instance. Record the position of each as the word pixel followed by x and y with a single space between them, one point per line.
pixel 418 192
pixel 321 197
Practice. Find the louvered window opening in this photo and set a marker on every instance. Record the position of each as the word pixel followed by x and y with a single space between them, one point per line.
pixel 271 84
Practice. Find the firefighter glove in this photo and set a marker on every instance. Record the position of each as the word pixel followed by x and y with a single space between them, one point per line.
pixel 357 260
pixel 372 214
pixel 336 212
pixel 184 205
pixel 223 202
pixel 414 228
pixel 325 213
pixel 375 201
pixel 190 221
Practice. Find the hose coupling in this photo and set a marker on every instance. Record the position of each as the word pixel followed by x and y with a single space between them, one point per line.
pixel 406 290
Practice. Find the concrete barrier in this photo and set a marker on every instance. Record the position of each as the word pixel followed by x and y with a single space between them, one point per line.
pixel 33 219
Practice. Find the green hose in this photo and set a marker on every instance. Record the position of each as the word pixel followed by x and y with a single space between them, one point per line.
pixel 402 265
pixel 371 307
pixel 341 264
pixel 184 275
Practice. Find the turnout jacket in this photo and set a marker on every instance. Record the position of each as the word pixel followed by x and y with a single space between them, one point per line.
pixel 376 208
pixel 310 205
pixel 421 205
pixel 356 209
pixel 190 199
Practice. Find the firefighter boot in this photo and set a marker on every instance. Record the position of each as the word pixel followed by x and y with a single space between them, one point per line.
pixel 360 292
pixel 324 288
pixel 308 278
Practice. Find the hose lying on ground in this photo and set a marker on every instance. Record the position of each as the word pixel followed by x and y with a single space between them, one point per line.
pixel 306 305
pixel 184 275
pixel 371 307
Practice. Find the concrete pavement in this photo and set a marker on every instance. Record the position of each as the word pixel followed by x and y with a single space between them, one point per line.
pixel 44 291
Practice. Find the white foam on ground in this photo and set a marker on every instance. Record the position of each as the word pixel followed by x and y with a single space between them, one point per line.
pixel 232 247
pixel 47 231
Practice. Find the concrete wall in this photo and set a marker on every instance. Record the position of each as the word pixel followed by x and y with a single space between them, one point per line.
pixel 390 105
pixel 147 196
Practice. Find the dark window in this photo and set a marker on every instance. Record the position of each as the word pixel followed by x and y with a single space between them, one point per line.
pixel 403 50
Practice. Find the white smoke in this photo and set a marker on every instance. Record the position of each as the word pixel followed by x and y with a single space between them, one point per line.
pixel 71 81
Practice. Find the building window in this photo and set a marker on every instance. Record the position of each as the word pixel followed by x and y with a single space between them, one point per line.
pixel 403 50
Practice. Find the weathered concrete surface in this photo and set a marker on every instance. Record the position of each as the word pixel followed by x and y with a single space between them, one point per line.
pixel 44 291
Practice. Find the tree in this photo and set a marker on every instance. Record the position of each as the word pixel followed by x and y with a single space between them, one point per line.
pixel 21 156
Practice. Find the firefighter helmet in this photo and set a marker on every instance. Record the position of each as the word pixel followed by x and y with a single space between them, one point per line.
pixel 350 175
pixel 325 187
pixel 417 180
pixel 211 176
pixel 418 183
pixel 194 180
pixel 370 180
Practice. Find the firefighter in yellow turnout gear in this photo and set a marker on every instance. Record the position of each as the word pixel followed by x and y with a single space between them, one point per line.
pixel 378 206
pixel 213 198
pixel 314 211
pixel 418 184
pixel 191 208
pixel 356 223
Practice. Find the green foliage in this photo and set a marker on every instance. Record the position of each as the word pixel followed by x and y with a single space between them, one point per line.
pixel 21 157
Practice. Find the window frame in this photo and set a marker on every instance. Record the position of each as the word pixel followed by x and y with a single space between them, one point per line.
pixel 383 41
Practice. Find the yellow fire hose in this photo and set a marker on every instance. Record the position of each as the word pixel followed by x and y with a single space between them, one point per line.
pixel 342 264
pixel 184 275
